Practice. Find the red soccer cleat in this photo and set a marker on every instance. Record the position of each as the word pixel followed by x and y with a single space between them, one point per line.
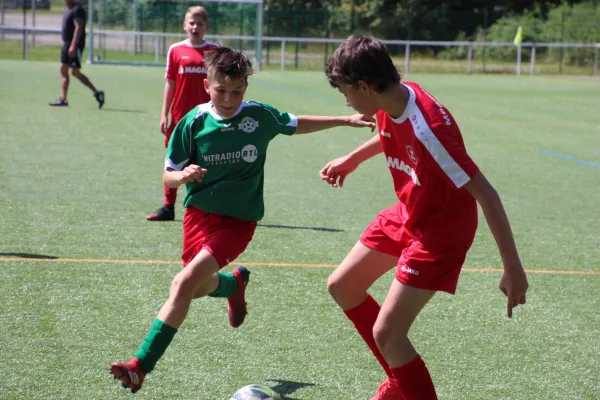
pixel 130 374
pixel 236 304
pixel 388 390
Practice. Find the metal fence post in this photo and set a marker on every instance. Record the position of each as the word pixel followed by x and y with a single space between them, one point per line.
pixel 407 57
pixel 25 38
pixel 101 36
pixel 532 63
pixel 326 22
pixel 25 44
pixel 2 18
pixel 518 60
pixel 282 61
pixel 33 22
pixel 268 30
pixel 469 59
pixel 156 48
pixel 136 28
pixel 596 59
pixel 90 40
pixel 259 34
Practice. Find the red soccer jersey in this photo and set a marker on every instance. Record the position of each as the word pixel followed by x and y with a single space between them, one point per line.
pixel 185 66
pixel 426 155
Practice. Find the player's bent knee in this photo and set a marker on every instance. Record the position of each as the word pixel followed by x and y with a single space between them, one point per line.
pixel 381 335
pixel 182 286
pixel 334 287
pixel 343 294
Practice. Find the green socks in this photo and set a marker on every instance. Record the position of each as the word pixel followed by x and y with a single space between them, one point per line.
pixel 155 344
pixel 160 335
pixel 227 286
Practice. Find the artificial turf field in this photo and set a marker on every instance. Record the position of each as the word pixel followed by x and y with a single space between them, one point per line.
pixel 82 274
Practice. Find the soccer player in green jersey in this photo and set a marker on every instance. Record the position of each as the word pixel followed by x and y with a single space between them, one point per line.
pixel 219 151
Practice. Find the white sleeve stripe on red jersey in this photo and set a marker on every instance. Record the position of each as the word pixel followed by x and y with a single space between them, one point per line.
pixel 169 55
pixel 168 58
pixel 437 150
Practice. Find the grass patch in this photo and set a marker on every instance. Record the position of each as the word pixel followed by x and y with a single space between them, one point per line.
pixel 78 181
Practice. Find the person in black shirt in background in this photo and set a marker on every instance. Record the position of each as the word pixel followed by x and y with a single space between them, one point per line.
pixel 73 36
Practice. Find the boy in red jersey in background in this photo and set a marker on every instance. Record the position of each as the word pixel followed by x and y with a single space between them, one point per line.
pixel 427 234
pixel 184 88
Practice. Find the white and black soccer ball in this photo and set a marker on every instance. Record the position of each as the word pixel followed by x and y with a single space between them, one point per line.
pixel 255 392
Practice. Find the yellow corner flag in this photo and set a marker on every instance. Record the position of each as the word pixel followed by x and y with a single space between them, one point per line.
pixel 519 36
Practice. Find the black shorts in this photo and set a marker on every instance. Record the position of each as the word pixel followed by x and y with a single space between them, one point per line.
pixel 73 62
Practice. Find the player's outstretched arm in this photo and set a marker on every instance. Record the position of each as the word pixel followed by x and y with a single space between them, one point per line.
pixel 314 123
pixel 173 179
pixel 514 280
pixel 335 171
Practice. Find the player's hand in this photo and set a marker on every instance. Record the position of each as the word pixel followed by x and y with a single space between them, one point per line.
pixel 361 121
pixel 514 285
pixel 192 173
pixel 164 125
pixel 335 171
pixel 72 52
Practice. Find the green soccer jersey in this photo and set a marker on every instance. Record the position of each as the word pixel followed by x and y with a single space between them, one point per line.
pixel 233 151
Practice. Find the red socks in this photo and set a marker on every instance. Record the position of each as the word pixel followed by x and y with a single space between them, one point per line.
pixel 170 196
pixel 363 317
pixel 413 381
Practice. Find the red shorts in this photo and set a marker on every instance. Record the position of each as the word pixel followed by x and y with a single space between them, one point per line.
pixel 224 237
pixel 423 266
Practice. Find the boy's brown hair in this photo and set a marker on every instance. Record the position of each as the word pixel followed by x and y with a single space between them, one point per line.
pixel 224 62
pixel 362 58
pixel 197 11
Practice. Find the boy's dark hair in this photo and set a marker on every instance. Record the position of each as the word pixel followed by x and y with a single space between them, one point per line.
pixel 223 62
pixel 362 58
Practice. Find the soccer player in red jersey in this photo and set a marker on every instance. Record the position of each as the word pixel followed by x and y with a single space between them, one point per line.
pixel 428 232
pixel 184 88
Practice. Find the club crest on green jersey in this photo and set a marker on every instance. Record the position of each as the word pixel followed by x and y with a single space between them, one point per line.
pixel 248 125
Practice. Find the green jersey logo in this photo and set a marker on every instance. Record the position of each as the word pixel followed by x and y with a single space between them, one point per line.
pixel 249 154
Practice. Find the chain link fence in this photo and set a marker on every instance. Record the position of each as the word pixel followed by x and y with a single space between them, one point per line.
pixel 562 40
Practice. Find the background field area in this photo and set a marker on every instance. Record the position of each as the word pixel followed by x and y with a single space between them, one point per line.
pixel 82 274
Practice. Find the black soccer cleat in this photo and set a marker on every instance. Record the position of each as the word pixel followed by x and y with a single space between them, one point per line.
pixel 59 103
pixel 165 213
pixel 99 95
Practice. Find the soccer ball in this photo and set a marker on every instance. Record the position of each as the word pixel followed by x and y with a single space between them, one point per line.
pixel 255 392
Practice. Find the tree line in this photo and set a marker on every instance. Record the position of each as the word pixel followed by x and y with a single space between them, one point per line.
pixel 435 20
pixel 574 21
